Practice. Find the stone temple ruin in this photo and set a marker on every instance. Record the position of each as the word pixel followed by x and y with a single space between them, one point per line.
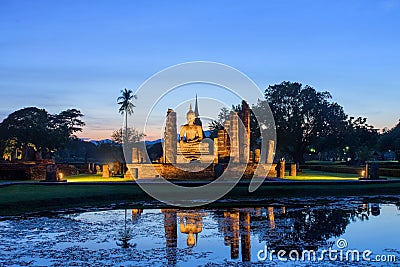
pixel 188 154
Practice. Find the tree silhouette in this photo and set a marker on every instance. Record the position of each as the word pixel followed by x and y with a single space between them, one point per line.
pixel 301 115
pixel 36 128
pixel 125 236
pixel 126 106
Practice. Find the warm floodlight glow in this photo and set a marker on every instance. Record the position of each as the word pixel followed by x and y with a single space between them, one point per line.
pixel 60 175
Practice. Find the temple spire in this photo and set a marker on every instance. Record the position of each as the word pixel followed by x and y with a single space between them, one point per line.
pixel 196 108
pixel 197 121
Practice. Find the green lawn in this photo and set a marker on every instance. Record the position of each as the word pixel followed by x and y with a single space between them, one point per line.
pixel 302 176
pixel 318 175
pixel 305 175
pixel 95 178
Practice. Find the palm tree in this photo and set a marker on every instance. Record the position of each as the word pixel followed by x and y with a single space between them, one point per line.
pixel 125 100
pixel 125 236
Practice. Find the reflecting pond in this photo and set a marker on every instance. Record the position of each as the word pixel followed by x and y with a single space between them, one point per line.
pixel 285 233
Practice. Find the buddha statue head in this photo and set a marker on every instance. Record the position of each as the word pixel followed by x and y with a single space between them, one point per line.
pixel 190 116
pixel 191 240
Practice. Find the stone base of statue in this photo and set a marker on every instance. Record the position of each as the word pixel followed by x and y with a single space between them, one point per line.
pixel 199 171
pixel 190 152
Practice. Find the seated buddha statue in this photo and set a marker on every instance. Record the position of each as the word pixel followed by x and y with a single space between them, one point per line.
pixel 191 136
pixel 190 132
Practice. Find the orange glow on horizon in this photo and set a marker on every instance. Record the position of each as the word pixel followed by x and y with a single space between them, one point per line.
pixel 106 134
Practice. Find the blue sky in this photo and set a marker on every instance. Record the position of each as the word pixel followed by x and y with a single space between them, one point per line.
pixel 65 54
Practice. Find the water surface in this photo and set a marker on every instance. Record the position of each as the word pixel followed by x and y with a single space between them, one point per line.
pixel 207 236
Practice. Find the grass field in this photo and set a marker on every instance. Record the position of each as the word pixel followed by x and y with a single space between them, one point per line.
pixel 303 176
pixel 94 178
pixel 88 191
pixel 317 175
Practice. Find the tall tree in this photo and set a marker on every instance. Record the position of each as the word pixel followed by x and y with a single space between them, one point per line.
pixel 360 138
pixel 37 128
pixel 301 115
pixel 126 106
pixel 132 137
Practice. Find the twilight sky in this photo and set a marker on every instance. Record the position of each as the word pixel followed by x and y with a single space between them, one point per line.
pixel 80 54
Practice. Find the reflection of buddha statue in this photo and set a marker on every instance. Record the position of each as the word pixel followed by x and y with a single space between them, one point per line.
pixel 190 132
pixel 191 224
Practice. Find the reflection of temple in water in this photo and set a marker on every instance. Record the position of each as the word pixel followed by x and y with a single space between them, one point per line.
pixel 171 235
pixel 282 228
pixel 235 225
pixel 190 223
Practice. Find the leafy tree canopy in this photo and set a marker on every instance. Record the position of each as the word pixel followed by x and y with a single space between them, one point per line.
pixel 37 128
pixel 390 140
pixel 302 114
pixel 133 136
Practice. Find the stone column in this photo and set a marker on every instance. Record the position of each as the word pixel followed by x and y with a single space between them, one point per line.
pixel 135 155
pixel 226 139
pixel 106 171
pixel 215 150
pixel 293 170
pixel 270 151
pixel 234 137
pixel 281 170
pixel 244 132
pixel 142 156
pixel 257 154
pixel 267 152
pixel 170 138
pixel 116 168
pixel 221 143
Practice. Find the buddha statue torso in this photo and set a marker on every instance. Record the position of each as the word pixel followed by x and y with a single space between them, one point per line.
pixel 191 134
